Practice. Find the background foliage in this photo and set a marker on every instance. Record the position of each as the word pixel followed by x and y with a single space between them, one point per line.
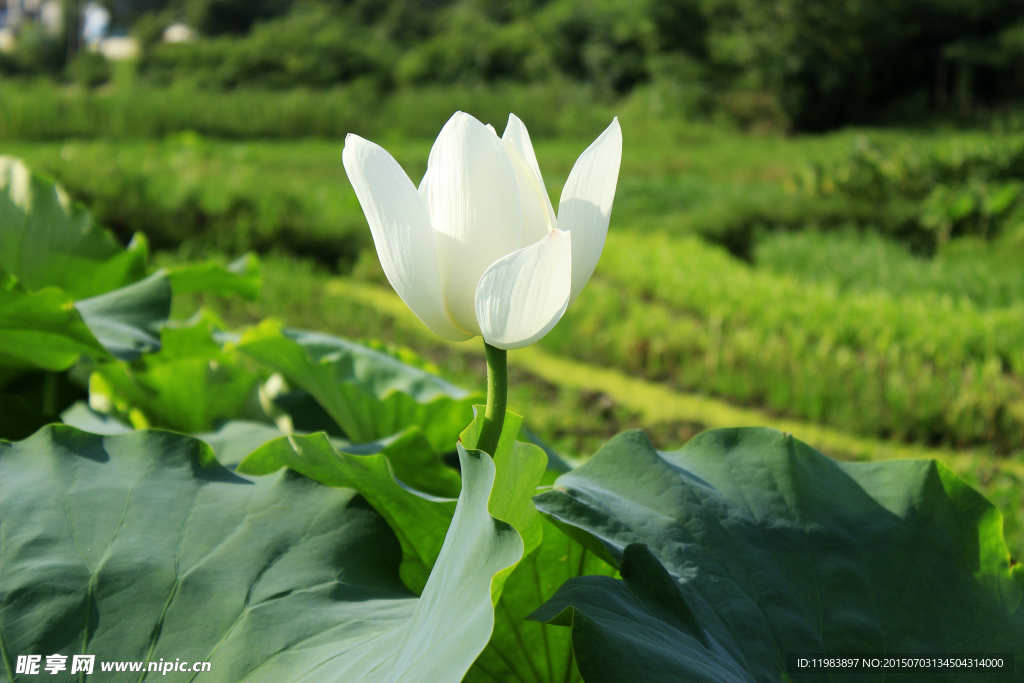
pixel 782 63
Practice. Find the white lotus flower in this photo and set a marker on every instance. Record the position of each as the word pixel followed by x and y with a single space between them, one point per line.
pixel 477 250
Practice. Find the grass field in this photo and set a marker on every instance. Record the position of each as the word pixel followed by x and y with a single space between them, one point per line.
pixel 828 329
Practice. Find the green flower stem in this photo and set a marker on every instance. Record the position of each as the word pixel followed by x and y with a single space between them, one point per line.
pixel 50 389
pixel 497 397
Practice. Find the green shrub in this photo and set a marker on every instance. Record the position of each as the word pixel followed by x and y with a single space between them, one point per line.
pixel 36 52
pixel 474 49
pixel 951 189
pixel 89 69
pixel 740 225
pixel 312 47
pixel 925 368
pixel 985 273
pixel 187 193
pixel 41 111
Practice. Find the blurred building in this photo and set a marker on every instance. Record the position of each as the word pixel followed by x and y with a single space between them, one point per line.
pixel 179 33
pixel 97 34
pixel 14 13
pixel 115 48
pixel 47 12
pixel 95 24
pixel 6 32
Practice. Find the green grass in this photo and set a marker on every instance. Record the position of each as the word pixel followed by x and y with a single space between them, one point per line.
pixel 132 111
pixel 986 274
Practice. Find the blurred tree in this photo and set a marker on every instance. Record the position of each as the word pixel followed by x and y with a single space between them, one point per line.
pixel 126 13
pixel 680 26
pixel 71 27
pixel 89 69
pixel 814 64
pixel 218 17
pixel 840 61
pixel 311 46
pixel 472 43
pixel 605 42
pixel 407 22
pixel 37 52
pixel 149 29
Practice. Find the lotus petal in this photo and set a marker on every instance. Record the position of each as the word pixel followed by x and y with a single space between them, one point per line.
pixel 586 203
pixel 401 230
pixel 522 296
pixel 471 192
pixel 538 214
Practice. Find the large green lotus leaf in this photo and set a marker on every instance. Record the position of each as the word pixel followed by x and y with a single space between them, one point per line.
pixel 48 331
pixel 420 521
pixel 241 277
pixel 760 546
pixel 236 439
pixel 127 321
pixel 191 385
pixel 368 393
pixel 47 241
pixel 473 541
pixel 295 410
pixel 43 330
pixel 141 547
pixel 518 650
pixel 80 416
pixel 522 467
pixel 407 483
pixel 524 651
